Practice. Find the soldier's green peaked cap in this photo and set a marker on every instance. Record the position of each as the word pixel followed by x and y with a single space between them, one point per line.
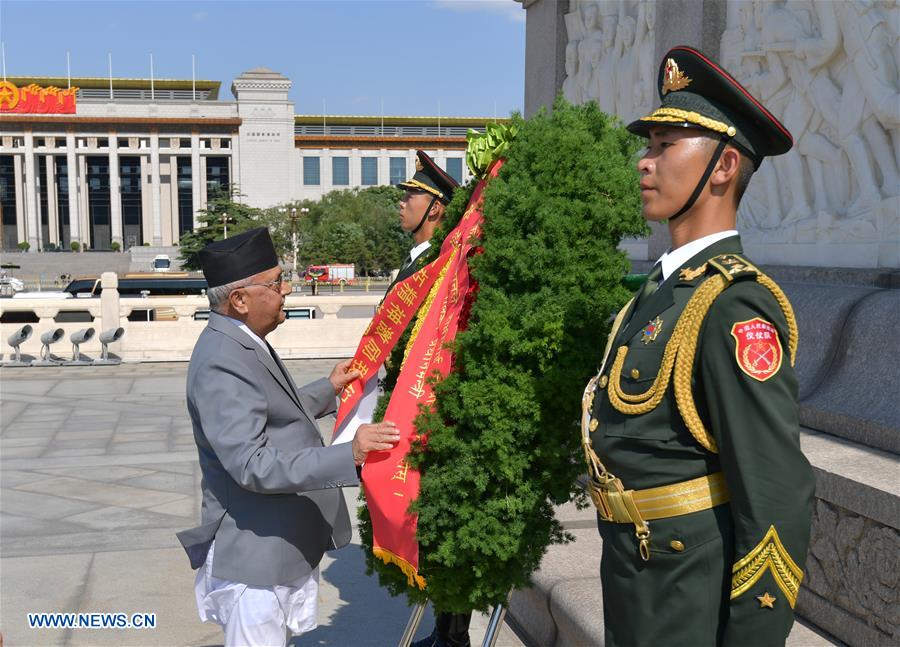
pixel 698 93
pixel 430 178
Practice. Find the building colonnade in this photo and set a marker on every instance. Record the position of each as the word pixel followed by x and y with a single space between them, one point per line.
pixel 129 187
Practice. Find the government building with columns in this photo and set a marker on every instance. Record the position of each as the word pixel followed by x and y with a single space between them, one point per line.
pixel 134 161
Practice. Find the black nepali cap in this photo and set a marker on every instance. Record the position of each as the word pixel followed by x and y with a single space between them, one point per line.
pixel 430 178
pixel 697 93
pixel 238 257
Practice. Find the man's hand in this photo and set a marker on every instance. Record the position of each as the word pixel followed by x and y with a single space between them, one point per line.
pixel 342 375
pixel 376 437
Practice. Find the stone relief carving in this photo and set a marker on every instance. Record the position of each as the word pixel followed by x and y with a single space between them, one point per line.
pixel 610 56
pixel 829 71
pixel 853 561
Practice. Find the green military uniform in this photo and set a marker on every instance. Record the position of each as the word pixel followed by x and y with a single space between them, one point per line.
pixel 431 179
pixel 704 497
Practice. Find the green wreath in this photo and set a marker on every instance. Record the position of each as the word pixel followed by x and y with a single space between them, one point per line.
pixel 503 442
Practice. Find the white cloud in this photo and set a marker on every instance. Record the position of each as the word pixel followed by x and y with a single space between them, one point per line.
pixel 509 8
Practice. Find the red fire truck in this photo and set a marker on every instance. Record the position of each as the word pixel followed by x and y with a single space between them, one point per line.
pixel 333 274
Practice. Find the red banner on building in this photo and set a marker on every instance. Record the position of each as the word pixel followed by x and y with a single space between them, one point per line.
pixel 33 99
pixel 390 483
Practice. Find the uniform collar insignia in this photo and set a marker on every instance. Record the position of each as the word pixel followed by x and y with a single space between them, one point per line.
pixel 673 78
pixel 688 274
pixel 651 331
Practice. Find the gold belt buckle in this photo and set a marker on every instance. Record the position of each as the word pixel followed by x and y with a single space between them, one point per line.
pixel 597 490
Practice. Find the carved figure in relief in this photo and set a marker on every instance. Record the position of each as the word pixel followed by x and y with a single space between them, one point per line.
pixel 627 56
pixel 571 89
pixel 831 68
pixel 870 98
pixel 603 84
pixel 574 26
pixel 645 46
pixel 782 28
pixel 588 48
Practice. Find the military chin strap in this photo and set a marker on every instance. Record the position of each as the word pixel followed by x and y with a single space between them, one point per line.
pixel 723 141
pixel 425 217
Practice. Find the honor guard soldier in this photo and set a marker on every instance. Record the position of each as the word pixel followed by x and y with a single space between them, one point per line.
pixel 690 427
pixel 422 206
pixel 427 195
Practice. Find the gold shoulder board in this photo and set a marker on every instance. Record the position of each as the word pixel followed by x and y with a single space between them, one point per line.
pixel 733 266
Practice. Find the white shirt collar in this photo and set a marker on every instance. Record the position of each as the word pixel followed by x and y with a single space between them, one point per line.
pixel 419 249
pixel 675 258
pixel 253 335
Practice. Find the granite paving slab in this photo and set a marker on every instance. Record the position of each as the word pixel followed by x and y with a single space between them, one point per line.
pixel 112 518
pixel 40 506
pixel 100 493
pixel 107 474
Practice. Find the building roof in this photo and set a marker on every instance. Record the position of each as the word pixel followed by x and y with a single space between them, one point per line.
pixel 102 83
pixel 265 72
pixel 393 120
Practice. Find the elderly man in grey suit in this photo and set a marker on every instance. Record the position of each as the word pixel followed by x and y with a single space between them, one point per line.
pixel 272 503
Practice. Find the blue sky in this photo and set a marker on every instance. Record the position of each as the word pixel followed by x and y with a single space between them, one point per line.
pixel 462 57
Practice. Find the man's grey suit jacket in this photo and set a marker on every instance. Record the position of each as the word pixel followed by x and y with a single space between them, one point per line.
pixel 271 490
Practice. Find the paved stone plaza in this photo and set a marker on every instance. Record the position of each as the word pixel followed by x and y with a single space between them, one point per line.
pixel 99 470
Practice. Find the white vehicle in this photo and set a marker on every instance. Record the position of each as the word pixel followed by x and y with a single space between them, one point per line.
pixel 48 294
pixel 10 285
pixel 162 263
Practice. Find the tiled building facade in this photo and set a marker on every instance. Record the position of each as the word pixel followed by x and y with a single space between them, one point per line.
pixel 138 160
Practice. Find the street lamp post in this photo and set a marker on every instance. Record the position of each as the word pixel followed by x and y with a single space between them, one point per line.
pixel 293 217
pixel 223 218
pixel 303 211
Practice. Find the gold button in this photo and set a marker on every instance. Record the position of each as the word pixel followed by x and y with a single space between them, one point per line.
pixel 676 545
pixel 635 374
pixel 594 424
pixel 603 382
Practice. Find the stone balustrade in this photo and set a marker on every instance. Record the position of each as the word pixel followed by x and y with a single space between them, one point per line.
pixel 334 332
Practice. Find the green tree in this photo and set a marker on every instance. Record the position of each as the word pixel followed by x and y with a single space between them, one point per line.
pixel 358 226
pixel 503 442
pixel 342 242
pixel 373 212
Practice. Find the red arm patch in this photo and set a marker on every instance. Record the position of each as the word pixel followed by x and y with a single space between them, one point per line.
pixel 757 348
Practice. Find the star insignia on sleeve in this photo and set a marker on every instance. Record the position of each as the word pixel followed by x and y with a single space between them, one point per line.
pixel 766 601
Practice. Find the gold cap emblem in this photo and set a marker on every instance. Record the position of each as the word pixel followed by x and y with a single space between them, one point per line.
pixel 673 78
pixel 419 166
